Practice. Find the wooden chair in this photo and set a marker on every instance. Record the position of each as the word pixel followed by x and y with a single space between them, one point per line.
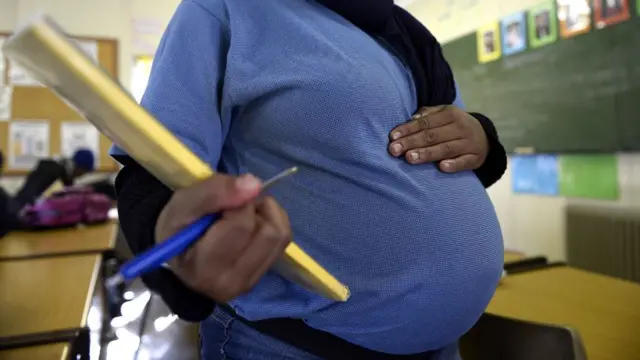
pixel 499 338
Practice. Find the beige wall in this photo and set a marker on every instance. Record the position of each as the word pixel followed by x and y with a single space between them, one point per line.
pixel 532 224
pixel 97 18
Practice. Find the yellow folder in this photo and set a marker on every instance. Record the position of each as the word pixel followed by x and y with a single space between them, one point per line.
pixel 42 49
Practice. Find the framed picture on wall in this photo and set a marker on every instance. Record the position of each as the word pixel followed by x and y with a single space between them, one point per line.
pixel 488 39
pixel 574 17
pixel 514 34
pixel 543 27
pixel 610 12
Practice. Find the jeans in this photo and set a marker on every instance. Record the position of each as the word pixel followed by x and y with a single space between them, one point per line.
pixel 223 337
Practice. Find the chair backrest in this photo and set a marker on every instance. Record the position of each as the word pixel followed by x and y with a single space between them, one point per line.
pixel 499 338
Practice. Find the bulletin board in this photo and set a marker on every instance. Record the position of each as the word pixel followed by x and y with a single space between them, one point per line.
pixel 40 103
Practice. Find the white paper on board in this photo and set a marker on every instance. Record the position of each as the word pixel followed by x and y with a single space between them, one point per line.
pixel 2 62
pixel 76 135
pixel 20 77
pixel 28 143
pixel 89 47
pixel 6 96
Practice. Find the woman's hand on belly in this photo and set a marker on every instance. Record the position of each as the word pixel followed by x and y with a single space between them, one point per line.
pixel 239 248
pixel 442 134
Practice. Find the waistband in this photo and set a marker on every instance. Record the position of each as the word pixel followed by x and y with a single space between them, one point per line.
pixel 297 333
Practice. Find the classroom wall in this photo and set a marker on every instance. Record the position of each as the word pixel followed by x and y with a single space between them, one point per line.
pixel 117 19
pixel 533 224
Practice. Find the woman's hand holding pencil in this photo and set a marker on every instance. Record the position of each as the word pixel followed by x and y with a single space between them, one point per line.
pixel 231 257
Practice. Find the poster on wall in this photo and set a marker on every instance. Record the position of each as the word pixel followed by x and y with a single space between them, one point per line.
pixel 488 39
pixel 574 17
pixel 28 143
pixel 589 176
pixel 610 12
pixel 535 174
pixel 147 26
pixel 514 35
pixel 145 35
pixel 6 97
pixel 20 77
pixel 543 27
pixel 76 135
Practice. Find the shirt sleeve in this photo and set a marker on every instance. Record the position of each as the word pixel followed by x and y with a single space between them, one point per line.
pixel 458 101
pixel 183 93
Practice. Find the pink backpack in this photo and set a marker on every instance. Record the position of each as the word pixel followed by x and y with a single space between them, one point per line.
pixel 66 208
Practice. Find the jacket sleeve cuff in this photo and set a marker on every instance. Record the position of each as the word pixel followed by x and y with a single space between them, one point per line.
pixel 187 304
pixel 141 198
pixel 495 164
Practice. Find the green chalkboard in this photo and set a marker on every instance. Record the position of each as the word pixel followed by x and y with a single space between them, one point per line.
pixel 576 95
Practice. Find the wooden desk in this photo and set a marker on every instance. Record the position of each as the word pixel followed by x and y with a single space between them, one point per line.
pixel 97 238
pixel 606 311
pixel 43 352
pixel 47 294
pixel 512 256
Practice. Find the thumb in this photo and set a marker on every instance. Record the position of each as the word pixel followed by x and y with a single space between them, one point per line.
pixel 461 163
pixel 428 110
pixel 218 193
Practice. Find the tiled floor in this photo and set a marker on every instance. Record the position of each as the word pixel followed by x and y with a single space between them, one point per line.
pixel 146 330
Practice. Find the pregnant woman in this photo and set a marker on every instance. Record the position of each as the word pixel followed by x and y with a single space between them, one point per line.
pixel 389 197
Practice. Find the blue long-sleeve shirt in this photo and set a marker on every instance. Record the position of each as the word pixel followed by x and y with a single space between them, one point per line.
pixel 259 86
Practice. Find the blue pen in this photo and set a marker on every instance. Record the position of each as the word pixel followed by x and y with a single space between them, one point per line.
pixel 158 255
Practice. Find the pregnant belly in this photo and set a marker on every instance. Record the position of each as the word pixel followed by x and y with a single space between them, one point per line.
pixel 422 266
pixel 422 258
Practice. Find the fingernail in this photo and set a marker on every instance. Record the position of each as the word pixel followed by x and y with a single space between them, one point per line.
pixel 396 148
pixel 414 156
pixel 396 136
pixel 416 116
pixel 447 165
pixel 248 182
